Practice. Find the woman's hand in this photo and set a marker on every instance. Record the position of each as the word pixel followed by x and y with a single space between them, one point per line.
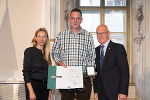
pixel 50 95
pixel 32 96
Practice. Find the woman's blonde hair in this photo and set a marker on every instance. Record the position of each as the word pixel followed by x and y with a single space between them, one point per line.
pixel 46 48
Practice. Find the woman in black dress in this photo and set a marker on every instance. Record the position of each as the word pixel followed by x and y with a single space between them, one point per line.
pixel 35 66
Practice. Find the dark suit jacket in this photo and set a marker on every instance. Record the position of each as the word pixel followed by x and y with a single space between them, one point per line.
pixel 114 75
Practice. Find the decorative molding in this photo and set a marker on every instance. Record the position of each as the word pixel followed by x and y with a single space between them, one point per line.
pixel 66 16
pixel 69 5
pixel 139 23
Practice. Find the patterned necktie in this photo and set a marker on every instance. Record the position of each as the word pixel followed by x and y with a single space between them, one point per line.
pixel 101 56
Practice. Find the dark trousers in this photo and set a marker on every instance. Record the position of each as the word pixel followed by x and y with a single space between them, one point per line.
pixel 79 94
pixel 40 90
pixel 102 95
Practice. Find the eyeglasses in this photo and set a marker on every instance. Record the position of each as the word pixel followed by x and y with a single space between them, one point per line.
pixel 76 18
pixel 102 33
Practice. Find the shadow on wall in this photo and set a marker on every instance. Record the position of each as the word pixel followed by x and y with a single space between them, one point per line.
pixel 8 61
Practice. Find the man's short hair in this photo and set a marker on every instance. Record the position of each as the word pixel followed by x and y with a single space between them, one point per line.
pixel 76 10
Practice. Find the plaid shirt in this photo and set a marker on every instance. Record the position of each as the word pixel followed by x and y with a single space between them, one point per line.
pixel 74 49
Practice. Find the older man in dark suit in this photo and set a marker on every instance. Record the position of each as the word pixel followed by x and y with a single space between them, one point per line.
pixel 112 80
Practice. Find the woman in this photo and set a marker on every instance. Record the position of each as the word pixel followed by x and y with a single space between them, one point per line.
pixel 35 66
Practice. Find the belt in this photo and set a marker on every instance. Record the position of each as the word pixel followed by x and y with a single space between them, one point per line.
pixel 38 80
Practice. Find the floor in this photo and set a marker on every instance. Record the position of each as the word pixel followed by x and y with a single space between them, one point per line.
pixel 126 99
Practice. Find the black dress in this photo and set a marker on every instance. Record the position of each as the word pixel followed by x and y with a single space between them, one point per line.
pixel 35 70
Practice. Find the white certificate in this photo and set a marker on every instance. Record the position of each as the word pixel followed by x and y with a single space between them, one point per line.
pixel 66 78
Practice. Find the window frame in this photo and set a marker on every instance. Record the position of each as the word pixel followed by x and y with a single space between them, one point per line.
pixel 102 9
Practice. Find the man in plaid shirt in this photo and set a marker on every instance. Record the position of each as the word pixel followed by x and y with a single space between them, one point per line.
pixel 75 47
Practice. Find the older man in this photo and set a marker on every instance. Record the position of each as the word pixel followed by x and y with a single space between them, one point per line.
pixel 112 80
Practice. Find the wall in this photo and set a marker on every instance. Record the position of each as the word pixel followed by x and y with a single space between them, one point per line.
pixel 140 37
pixel 25 17
pixel 147 84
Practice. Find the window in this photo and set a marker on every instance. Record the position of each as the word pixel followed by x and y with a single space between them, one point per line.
pixel 113 13
pixel 89 2
pixel 91 19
